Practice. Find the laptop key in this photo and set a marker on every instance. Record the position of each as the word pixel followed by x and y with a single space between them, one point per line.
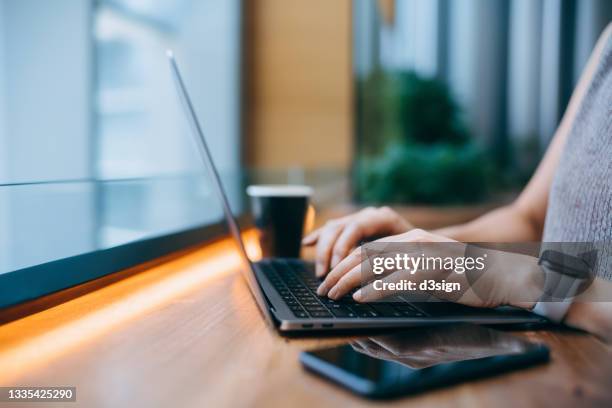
pixel 362 313
pixel 343 312
pixel 316 309
pixel 363 310
pixel 411 313
pixel 404 306
pixel 347 299
pixel 320 314
pixel 386 310
pixel 408 310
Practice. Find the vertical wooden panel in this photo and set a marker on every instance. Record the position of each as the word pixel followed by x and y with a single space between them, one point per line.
pixel 299 92
pixel 387 10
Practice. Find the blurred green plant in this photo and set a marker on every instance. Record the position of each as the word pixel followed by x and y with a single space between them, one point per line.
pixel 414 146
pixel 427 112
pixel 438 173
pixel 378 104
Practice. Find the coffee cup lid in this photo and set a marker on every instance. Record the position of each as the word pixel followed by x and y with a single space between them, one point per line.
pixel 283 190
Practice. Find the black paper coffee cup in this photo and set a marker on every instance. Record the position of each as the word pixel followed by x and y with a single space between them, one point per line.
pixel 279 213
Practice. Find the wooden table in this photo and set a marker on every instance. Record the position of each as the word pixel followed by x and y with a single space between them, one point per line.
pixel 186 333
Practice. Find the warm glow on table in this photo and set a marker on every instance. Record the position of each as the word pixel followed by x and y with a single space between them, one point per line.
pixel 31 341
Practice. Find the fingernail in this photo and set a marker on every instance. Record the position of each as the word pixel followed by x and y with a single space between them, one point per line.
pixel 332 293
pixel 358 296
pixel 322 289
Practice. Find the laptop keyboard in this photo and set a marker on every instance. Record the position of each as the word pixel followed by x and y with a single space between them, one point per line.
pixel 298 288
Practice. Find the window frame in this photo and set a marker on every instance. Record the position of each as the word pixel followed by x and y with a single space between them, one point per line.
pixel 36 281
pixel 33 282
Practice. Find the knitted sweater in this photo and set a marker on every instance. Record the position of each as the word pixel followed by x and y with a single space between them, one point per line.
pixel 580 200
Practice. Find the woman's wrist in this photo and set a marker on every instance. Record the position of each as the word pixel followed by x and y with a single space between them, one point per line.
pixel 452 232
pixel 397 223
pixel 524 280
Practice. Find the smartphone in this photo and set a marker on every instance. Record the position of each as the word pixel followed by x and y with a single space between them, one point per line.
pixel 421 359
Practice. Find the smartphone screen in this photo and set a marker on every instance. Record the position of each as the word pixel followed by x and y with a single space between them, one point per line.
pixel 419 359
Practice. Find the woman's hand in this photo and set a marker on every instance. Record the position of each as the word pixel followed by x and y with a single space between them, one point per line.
pixel 510 278
pixel 338 237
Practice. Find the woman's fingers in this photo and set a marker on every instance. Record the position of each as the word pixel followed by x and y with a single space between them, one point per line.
pixel 311 238
pixel 348 281
pixel 347 275
pixel 368 294
pixel 338 237
pixel 340 270
pixel 325 244
pixel 347 240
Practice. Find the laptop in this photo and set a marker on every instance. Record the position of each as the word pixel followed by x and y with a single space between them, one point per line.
pixel 285 289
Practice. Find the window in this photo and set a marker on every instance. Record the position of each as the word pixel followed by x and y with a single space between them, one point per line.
pixel 95 152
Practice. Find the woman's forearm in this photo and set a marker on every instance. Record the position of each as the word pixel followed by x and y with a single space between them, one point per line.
pixel 505 224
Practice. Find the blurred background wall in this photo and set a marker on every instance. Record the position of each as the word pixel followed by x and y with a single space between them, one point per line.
pixel 299 109
pixel 413 101
pixel 420 101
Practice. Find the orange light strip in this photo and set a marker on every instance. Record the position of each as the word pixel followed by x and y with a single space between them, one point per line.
pixel 218 259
